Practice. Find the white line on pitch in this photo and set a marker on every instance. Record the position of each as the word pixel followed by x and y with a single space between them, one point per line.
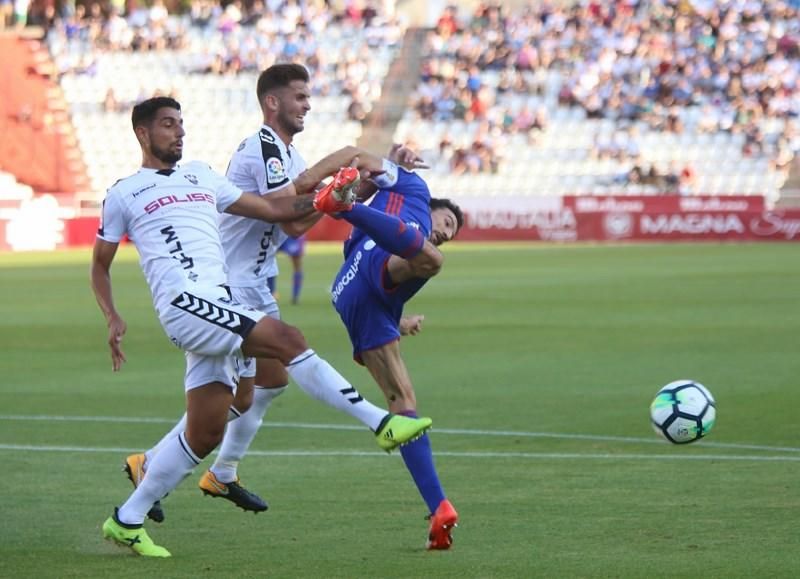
pixel 504 433
pixel 357 453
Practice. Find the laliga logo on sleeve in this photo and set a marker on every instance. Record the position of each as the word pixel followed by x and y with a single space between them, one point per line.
pixel 275 172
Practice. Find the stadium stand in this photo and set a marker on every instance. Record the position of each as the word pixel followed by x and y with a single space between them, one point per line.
pixel 521 98
pixel 209 59
pixel 33 112
pixel 12 193
pixel 596 97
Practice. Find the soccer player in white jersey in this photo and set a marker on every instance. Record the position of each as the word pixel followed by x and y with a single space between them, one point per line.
pixel 269 163
pixel 266 162
pixel 170 213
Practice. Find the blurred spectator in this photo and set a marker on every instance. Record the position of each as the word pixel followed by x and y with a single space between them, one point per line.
pixel 6 13
pixel 356 111
pixel 687 181
pixel 110 103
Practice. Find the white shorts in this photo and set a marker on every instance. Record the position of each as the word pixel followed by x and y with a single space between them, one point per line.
pixel 202 370
pixel 210 327
pixel 262 300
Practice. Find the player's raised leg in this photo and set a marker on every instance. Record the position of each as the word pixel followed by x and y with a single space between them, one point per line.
pixel 389 371
pixel 274 339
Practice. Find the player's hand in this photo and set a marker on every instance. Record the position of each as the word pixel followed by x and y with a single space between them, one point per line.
pixel 116 330
pixel 411 325
pixel 340 194
pixel 406 158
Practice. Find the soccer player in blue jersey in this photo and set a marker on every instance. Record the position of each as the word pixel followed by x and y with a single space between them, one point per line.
pixel 391 254
pixel 295 248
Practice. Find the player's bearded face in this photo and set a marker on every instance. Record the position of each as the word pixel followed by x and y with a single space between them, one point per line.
pixel 444 226
pixel 294 104
pixel 168 154
pixel 166 136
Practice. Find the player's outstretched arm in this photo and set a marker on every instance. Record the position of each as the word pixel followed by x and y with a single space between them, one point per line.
pixel 308 181
pixel 273 210
pixel 406 157
pixel 102 258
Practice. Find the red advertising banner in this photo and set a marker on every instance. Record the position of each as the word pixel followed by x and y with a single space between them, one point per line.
pixel 545 218
pixel 663 203
pixel 664 218
pixel 691 226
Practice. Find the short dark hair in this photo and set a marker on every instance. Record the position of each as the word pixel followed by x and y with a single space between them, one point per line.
pixel 447 204
pixel 144 112
pixel 279 76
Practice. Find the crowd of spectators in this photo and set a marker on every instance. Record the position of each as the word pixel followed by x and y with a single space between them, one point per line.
pixel 736 63
pixel 230 37
pixel 668 66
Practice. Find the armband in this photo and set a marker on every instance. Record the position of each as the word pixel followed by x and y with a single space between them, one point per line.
pixel 389 176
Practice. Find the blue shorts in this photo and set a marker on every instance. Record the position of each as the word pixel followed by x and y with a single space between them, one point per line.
pixel 370 311
pixel 294 246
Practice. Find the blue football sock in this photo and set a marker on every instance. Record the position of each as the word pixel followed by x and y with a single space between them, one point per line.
pixel 388 231
pixel 297 285
pixel 418 457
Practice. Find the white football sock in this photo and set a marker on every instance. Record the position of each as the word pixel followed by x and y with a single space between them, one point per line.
pixel 320 380
pixel 174 461
pixel 176 430
pixel 233 414
pixel 240 434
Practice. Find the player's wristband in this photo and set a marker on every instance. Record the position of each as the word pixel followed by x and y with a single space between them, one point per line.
pixel 389 176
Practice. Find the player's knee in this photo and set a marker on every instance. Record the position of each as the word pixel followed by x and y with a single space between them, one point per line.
pixel 271 374
pixel 244 395
pixel 243 400
pixel 295 341
pixel 203 442
pixel 274 339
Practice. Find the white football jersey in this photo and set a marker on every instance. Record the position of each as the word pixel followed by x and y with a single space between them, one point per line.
pixel 172 218
pixel 265 164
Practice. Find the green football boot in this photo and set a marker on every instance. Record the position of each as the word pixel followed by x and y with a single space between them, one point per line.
pixel 134 537
pixel 396 430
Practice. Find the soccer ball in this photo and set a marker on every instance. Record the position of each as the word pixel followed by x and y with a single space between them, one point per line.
pixel 683 411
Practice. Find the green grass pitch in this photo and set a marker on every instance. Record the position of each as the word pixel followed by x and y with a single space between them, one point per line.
pixel 537 364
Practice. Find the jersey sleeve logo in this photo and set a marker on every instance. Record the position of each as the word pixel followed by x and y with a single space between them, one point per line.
pixel 275 171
